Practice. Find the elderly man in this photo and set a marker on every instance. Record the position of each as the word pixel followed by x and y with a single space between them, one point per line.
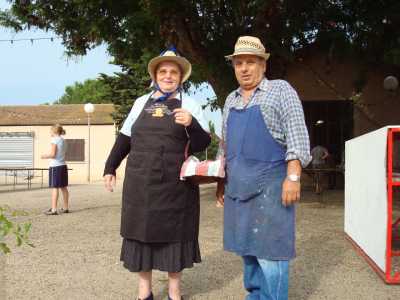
pixel 266 144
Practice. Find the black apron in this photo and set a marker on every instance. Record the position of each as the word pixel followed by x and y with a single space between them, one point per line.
pixel 156 205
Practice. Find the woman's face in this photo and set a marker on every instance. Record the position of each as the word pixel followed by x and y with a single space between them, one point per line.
pixel 168 76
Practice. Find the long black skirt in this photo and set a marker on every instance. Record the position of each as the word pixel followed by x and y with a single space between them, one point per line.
pixel 168 257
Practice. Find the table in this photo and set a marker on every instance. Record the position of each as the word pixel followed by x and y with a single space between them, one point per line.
pixel 30 174
pixel 316 173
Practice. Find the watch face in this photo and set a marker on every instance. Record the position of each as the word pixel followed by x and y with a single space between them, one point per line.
pixel 293 177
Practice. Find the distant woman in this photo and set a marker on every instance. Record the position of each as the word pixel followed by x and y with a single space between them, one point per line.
pixel 58 172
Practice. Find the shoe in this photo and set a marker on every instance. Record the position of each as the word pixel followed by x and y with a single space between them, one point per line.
pixel 148 298
pixel 64 211
pixel 50 212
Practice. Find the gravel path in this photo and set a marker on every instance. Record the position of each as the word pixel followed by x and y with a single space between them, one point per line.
pixel 77 254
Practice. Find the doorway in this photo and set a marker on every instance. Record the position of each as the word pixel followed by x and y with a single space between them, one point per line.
pixel 329 124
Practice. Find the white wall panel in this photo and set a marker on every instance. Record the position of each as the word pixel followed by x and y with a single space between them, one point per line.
pixel 366 194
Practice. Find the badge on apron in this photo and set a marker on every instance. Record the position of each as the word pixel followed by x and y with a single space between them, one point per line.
pixel 158 110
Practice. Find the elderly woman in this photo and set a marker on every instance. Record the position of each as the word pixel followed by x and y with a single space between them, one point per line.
pixel 160 213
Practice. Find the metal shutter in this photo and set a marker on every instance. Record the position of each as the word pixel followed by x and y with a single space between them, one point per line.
pixel 16 149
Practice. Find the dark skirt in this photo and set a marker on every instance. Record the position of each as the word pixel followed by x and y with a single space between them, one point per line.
pixel 168 257
pixel 58 176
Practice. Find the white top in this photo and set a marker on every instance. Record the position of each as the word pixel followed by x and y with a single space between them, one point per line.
pixel 317 154
pixel 59 159
pixel 187 103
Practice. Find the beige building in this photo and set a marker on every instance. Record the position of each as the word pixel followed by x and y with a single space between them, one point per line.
pixel 25 136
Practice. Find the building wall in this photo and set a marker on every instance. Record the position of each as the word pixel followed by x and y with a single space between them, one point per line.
pixel 316 78
pixel 102 138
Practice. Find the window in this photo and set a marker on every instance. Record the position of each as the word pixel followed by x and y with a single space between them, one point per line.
pixel 75 150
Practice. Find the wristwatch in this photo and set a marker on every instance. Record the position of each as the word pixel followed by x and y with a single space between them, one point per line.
pixel 293 177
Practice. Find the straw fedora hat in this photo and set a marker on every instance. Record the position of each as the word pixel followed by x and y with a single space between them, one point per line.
pixel 249 45
pixel 171 56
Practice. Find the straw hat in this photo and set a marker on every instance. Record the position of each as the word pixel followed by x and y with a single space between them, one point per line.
pixel 171 56
pixel 249 45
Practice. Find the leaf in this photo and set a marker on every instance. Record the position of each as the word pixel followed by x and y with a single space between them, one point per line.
pixel 20 231
pixel 4 248
pixel 27 227
pixel 19 241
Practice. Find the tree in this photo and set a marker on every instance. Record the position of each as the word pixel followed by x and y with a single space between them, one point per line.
pixel 91 90
pixel 206 30
pixel 125 87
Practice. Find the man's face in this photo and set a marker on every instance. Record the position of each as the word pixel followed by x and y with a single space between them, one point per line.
pixel 249 70
pixel 168 76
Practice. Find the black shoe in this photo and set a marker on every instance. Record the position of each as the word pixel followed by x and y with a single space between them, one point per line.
pixel 50 212
pixel 64 211
pixel 148 298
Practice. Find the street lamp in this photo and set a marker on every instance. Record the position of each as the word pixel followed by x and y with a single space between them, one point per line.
pixel 89 109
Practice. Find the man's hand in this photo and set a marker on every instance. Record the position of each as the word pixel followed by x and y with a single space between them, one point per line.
pixel 182 116
pixel 109 182
pixel 290 192
pixel 220 193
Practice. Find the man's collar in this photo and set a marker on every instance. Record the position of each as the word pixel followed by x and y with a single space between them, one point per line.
pixel 263 86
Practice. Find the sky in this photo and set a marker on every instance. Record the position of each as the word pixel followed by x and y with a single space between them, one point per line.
pixel 38 72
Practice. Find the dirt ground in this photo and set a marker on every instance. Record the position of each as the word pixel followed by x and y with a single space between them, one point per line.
pixel 77 254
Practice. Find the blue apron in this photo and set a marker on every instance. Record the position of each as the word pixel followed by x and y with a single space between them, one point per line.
pixel 255 220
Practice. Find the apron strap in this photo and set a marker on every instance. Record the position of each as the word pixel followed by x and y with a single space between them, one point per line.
pixel 187 134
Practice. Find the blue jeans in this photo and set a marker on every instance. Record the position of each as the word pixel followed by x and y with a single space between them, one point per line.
pixel 266 279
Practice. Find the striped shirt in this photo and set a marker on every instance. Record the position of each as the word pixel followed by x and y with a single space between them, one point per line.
pixel 283 115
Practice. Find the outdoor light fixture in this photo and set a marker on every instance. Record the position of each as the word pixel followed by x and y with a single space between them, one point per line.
pixel 89 109
pixel 390 83
pixel 319 122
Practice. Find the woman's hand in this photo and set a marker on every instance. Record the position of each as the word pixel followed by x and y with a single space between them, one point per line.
pixel 182 116
pixel 109 182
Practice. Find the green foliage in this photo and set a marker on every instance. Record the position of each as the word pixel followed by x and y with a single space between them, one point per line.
pixel 212 148
pixel 121 89
pixel 91 90
pixel 206 30
pixel 125 87
pixel 8 227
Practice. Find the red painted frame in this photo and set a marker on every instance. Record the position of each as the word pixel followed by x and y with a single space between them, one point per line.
pixel 396 229
pixel 395 279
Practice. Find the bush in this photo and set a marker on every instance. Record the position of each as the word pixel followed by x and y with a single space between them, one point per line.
pixel 9 227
